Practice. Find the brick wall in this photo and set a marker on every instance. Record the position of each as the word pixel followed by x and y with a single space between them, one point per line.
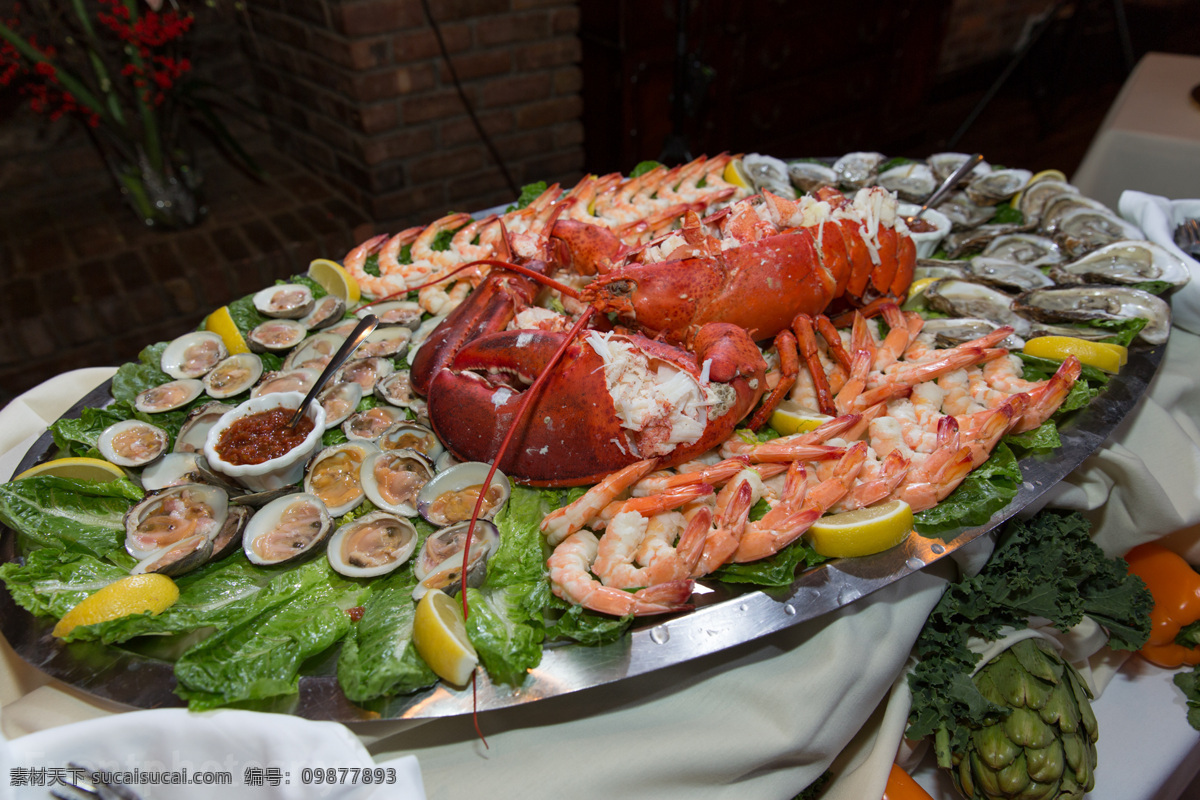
pixel 359 91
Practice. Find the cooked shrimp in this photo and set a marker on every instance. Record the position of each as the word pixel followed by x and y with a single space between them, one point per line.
pixel 800 510
pixel 373 286
pixel 571 580
pixel 562 522
pixel 651 541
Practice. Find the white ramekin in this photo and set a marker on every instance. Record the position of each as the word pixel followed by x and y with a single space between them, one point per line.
pixel 274 473
pixel 926 243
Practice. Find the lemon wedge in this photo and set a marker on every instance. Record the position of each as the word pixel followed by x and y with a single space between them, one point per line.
pixel 133 594
pixel 863 531
pixel 334 279
pixel 1044 175
pixel 1102 355
pixel 918 286
pixel 735 174
pixel 80 469
pixel 220 323
pixel 440 637
pixel 790 417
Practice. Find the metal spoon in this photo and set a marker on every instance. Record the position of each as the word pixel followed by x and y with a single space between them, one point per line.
pixel 947 185
pixel 356 337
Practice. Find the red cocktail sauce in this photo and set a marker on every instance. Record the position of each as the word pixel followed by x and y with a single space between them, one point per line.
pixel 920 226
pixel 262 436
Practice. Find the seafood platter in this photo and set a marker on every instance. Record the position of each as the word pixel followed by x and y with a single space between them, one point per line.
pixel 667 382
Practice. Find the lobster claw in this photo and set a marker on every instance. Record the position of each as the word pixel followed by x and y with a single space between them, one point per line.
pixel 581 427
pixel 488 309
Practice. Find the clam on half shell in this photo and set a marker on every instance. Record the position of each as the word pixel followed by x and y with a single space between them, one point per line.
pixel 168 396
pixel 439 564
pixel 169 516
pixel 374 544
pixel 233 376
pixel 333 476
pixel 286 529
pixel 132 443
pixel 451 496
pixel 193 354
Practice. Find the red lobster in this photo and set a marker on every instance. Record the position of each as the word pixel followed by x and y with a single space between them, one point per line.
pixel 758 268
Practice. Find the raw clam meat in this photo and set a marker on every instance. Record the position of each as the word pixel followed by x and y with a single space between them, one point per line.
pixel 177 558
pixel 374 544
pixel 1039 194
pixel 366 372
pixel 410 435
pixel 169 516
pixel 132 443
pixel 396 389
pixel 372 423
pixel 296 380
pixel 284 300
pixel 439 565
pixel 333 476
pixel 194 430
pixel 193 354
pixel 315 352
pixel 394 312
pixel 168 396
pixel 389 341
pixel 451 496
pixel 233 376
pixel 286 529
pixel 1090 302
pixel 339 401
pixel 276 335
pixel 329 310
pixel 393 480
pixel 1082 230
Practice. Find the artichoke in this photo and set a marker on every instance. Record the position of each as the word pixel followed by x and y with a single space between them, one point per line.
pixel 1045 747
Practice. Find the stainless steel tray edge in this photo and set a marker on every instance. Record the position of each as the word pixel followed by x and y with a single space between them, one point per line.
pixel 722 619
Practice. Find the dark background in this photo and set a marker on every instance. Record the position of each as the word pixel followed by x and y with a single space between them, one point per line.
pixel 358 124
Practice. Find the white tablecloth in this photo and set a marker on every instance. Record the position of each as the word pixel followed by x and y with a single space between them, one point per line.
pixel 1150 139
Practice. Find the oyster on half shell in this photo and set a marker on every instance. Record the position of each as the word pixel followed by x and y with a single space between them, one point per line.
pixel 1095 301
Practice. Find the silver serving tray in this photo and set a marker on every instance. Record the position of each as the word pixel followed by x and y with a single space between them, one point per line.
pixel 725 616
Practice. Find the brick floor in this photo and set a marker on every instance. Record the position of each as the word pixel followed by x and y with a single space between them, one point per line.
pixel 84 284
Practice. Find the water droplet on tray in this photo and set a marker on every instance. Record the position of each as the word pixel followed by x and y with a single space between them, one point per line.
pixel 789 609
pixel 937 548
pixel 914 563
pixel 660 635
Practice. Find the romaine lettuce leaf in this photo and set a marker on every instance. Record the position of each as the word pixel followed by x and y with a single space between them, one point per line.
pixel 506 636
pixel 378 657
pixel 52 582
pixel 299 614
pixel 66 514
